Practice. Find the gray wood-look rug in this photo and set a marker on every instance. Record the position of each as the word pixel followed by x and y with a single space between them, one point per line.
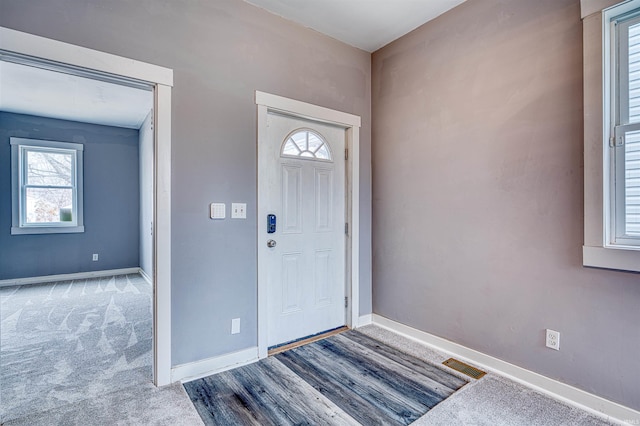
pixel 349 378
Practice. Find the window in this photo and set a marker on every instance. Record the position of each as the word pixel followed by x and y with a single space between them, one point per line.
pixel 306 144
pixel 46 187
pixel 624 173
pixel 611 134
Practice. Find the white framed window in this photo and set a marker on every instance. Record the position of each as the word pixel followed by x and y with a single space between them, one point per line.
pixel 611 134
pixel 624 127
pixel 305 143
pixel 47 186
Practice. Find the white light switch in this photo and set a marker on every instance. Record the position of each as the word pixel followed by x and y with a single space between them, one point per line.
pixel 238 211
pixel 218 211
pixel 235 326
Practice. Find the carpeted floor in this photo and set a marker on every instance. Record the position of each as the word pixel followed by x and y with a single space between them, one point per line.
pixel 138 405
pixel 491 401
pixel 65 342
pixel 86 360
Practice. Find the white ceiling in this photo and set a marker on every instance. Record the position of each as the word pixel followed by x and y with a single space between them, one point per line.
pixel 35 91
pixel 367 24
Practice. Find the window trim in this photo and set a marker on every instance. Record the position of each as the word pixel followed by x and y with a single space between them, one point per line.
pixel 597 252
pixel 18 227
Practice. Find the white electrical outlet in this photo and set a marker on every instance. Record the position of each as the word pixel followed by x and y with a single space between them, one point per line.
pixel 95 257
pixel 553 339
pixel 235 326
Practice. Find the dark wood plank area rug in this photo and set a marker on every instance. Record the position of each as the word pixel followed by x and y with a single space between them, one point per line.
pixel 349 378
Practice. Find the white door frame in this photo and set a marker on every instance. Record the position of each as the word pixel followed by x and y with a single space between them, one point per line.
pixel 43 49
pixel 267 102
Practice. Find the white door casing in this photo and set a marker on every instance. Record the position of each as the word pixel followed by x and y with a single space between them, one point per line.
pixel 36 49
pixel 266 104
pixel 305 270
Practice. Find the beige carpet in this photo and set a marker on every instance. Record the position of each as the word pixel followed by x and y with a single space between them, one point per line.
pixel 490 401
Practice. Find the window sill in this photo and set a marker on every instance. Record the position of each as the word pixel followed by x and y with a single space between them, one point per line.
pixel 46 230
pixel 622 259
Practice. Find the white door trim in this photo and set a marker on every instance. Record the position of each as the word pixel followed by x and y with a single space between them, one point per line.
pixel 267 102
pixel 161 78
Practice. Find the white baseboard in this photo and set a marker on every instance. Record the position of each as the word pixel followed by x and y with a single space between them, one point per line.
pixel 364 320
pixel 612 411
pixel 206 367
pixel 67 277
pixel 144 275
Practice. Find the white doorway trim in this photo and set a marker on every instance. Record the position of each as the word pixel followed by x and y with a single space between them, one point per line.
pixel 68 55
pixel 267 102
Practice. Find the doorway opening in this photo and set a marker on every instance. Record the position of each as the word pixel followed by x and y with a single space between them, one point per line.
pixel 117 81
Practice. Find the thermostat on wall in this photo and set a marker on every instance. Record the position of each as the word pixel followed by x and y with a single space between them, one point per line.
pixel 218 211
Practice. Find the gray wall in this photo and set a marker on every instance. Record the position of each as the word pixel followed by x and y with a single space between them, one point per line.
pixel 110 201
pixel 221 52
pixel 145 148
pixel 478 120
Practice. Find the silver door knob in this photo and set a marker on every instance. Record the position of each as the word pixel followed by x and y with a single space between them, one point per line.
pixel 271 243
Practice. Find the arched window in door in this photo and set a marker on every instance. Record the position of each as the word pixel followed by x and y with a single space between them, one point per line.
pixel 306 144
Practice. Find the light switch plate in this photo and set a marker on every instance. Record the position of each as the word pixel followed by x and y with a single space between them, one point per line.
pixel 218 211
pixel 235 326
pixel 238 211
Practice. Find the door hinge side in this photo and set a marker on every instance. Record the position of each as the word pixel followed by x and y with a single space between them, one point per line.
pixel 346 228
pixel 346 154
pixel 346 301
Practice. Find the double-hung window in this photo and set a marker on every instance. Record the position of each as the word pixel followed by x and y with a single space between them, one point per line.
pixel 46 186
pixel 624 141
pixel 611 60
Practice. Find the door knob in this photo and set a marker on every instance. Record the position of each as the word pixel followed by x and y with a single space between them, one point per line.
pixel 271 243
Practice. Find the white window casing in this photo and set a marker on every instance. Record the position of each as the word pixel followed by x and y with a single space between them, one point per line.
pixel 61 176
pixel 612 137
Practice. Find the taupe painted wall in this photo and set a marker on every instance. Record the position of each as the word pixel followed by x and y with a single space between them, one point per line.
pixel 221 52
pixel 477 195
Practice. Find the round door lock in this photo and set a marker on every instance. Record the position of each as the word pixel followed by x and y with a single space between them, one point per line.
pixel 271 243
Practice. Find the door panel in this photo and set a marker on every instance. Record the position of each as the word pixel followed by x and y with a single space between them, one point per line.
pixel 323 268
pixel 290 282
pixel 292 199
pixel 305 271
pixel 324 200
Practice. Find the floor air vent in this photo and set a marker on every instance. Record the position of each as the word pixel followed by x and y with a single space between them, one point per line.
pixel 464 368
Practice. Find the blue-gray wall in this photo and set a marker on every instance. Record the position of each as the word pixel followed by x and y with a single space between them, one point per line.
pixel 111 201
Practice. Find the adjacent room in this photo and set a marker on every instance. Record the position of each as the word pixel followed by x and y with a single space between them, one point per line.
pixel 76 292
pixel 352 212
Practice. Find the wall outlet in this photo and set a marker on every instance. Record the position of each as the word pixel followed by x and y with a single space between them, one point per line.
pixel 235 326
pixel 553 339
pixel 95 257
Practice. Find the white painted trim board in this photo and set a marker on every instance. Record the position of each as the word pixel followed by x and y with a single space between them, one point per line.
pixel 68 277
pixel 146 277
pixel 365 320
pixel 206 367
pixel 69 54
pixel 306 110
pixel 576 397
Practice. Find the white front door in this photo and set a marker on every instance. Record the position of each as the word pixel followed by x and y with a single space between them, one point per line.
pixel 305 258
